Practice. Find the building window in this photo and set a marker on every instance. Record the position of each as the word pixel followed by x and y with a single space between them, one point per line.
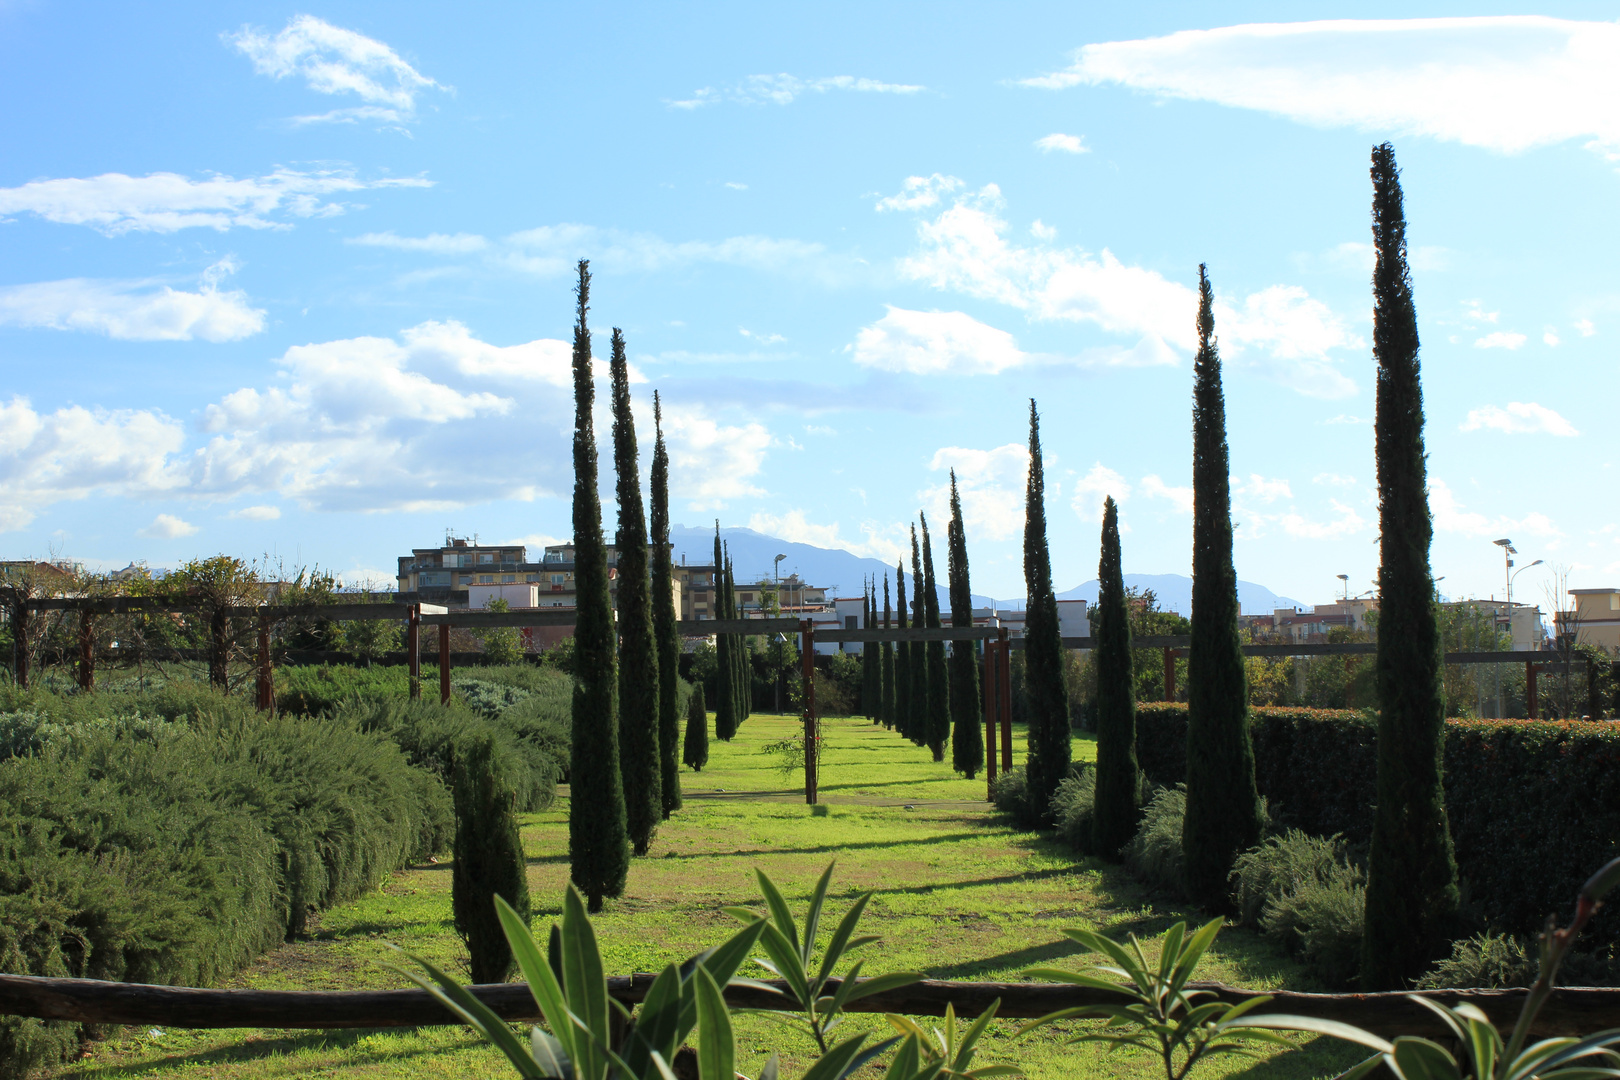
pixel 508 577
pixel 486 579
pixel 556 579
pixel 486 557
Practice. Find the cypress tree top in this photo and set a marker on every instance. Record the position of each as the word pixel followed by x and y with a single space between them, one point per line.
pixel 1114 813
pixel 666 631
pixel 1043 649
pixel 967 741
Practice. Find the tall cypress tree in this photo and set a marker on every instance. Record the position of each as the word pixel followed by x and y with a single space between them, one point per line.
pixel 742 700
pixel 939 693
pixel 886 658
pixel 598 845
pixel 1043 644
pixel 695 746
pixel 902 657
pixel 1411 873
pixel 917 722
pixel 666 632
pixel 488 856
pixel 725 719
pixel 1223 806
pixel 638 653
pixel 967 741
pixel 1114 810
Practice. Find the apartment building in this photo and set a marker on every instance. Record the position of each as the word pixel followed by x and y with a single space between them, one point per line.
pixel 1594 619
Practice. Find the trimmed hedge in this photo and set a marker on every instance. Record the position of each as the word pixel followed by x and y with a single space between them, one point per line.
pixel 1534 805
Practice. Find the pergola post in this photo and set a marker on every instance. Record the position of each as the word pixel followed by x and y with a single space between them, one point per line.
pixel 444 663
pixel 19 641
pixel 807 652
pixel 265 684
pixel 413 650
pixel 990 698
pixel 1169 674
pixel 1530 688
pixel 1005 686
pixel 87 650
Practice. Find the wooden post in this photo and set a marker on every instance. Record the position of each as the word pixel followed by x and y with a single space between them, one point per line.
pixel 1004 684
pixel 19 641
pixel 444 663
pixel 265 689
pixel 1169 674
pixel 87 651
pixel 807 651
pixel 413 650
pixel 1530 687
pixel 219 646
pixel 990 698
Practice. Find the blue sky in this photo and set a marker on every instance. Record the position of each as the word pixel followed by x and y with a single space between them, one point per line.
pixel 296 280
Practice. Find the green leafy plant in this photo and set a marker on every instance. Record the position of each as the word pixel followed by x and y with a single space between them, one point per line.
pixel 949 1053
pixel 1156 1011
pixel 791 957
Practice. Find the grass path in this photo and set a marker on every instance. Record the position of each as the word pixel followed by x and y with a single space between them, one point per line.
pixel 958 895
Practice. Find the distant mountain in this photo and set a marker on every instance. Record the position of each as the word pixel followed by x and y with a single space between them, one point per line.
pixel 1175 594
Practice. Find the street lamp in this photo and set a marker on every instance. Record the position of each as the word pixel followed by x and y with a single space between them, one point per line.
pixel 1346 579
pixel 1515 574
pixel 1508 551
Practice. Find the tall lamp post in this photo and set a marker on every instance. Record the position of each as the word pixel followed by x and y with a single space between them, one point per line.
pixel 1346 586
pixel 776 572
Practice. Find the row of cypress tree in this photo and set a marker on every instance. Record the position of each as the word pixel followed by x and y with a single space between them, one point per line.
pixel 733 677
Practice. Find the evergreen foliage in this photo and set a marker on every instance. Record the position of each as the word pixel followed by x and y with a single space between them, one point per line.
pixel 902 657
pixel 598 844
pixel 967 741
pixel 489 858
pixel 917 666
pixel 725 716
pixel 695 750
pixel 871 661
pixel 666 632
pixel 638 654
pixel 1223 808
pixel 886 660
pixel 939 694
pixel 1043 651
pixel 1412 874
pixel 1114 819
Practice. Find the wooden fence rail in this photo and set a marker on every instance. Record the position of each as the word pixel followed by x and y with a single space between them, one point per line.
pixel 1570 1010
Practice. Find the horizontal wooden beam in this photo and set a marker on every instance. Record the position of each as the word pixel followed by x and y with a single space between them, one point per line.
pixel 912 633
pixel 746 627
pixel 1569 1011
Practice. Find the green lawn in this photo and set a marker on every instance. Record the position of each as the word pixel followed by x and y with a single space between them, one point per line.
pixel 958 895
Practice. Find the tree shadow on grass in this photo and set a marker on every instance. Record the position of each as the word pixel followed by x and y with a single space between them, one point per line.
pixel 1016 960
pixel 821 849
pixel 255 1049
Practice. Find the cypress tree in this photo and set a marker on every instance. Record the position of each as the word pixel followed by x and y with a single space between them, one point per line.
pixel 740 697
pixel 871 676
pixel 1114 808
pixel 939 693
pixel 488 857
pixel 967 742
pixel 725 719
pixel 1411 873
pixel 695 750
pixel 666 632
pixel 638 653
pixel 598 846
pixel 1043 645
pixel 902 657
pixel 917 723
pixel 886 658
pixel 1223 806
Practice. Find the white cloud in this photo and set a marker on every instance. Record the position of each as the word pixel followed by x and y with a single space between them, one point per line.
pixel 167 527
pixel 1585 327
pixel 135 310
pixel 736 185
pixel 333 60
pixel 1550 338
pixel 712 463
pixel 1069 144
pixel 1346 418
pixel 965 249
pixel 433 243
pixel 1091 489
pixel 1040 230
pixel 936 343
pixel 795 527
pixel 1501 339
pixel 256 513
pixel 1449 516
pixel 1504 83
pixel 553 250
pixel 1181 498
pixel 783 89
pixel 763 339
pixel 1260 488
pixel 536 542
pixel 1300 527
pixel 1334 479
pixel 114 204
pixel 1518 418
pixel 1361 258
pixel 990 484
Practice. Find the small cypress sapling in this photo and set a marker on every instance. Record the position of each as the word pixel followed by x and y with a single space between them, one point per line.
pixel 695 750
pixel 666 631
pixel 488 857
pixel 598 845
pixel 1222 817
pixel 725 720
pixel 939 692
pixel 886 658
pixel 1114 810
pixel 917 723
pixel 638 653
pixel 967 742
pixel 1412 893
pixel 1043 649
pixel 902 658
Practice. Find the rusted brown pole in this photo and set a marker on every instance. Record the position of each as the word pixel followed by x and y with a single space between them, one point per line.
pixel 1530 687
pixel 87 651
pixel 990 719
pixel 413 650
pixel 19 641
pixel 265 684
pixel 1169 674
pixel 218 650
pixel 807 651
pixel 1004 684
pixel 444 663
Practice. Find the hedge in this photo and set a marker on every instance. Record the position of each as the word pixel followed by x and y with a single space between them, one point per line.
pixel 1534 805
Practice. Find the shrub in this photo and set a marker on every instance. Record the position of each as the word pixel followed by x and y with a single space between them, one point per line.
pixel 488 857
pixel 1489 961
pixel 1073 808
pixel 1279 865
pixel 1304 891
pixel 1010 794
pixel 695 744
pixel 1154 853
